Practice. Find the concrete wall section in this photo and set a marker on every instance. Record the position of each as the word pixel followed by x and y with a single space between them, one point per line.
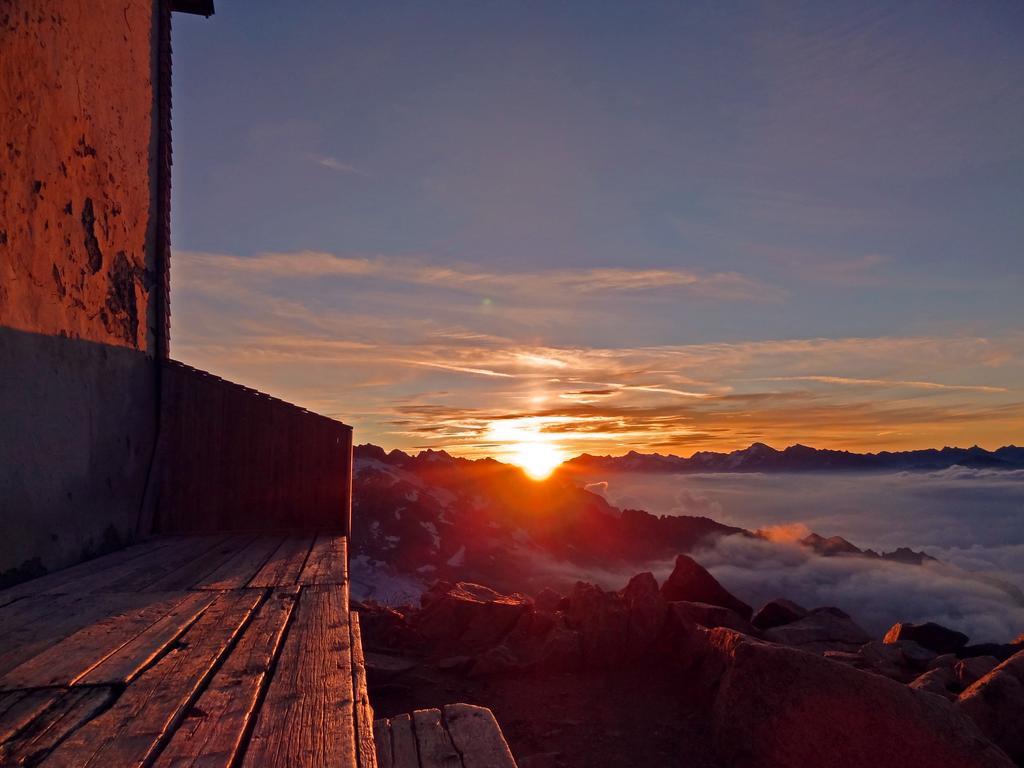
pixel 77 169
pixel 76 439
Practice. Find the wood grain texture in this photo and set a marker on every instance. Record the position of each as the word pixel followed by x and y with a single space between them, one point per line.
pixel 382 741
pixel 404 752
pixel 19 708
pixel 327 562
pixel 67 579
pixel 477 736
pixel 139 572
pixel 186 576
pixel 214 726
pixel 74 707
pixel 239 570
pixel 45 620
pixel 69 659
pixel 363 711
pixel 129 733
pixel 132 657
pixel 283 567
pixel 435 745
pixel 307 716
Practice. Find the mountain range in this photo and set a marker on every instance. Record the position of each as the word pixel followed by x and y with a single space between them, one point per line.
pixel 801 458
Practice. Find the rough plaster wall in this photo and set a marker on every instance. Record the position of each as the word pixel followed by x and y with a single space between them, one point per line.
pixel 78 378
pixel 76 128
pixel 76 440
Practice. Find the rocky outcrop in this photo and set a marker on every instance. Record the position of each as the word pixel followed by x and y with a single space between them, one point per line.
pixel 932 636
pixel 690 582
pixel 712 616
pixel 776 707
pixel 823 629
pixel 468 618
pixel 778 612
pixel 941 681
pixel 996 704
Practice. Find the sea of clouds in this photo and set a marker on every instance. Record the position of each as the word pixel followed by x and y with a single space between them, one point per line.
pixel 972 520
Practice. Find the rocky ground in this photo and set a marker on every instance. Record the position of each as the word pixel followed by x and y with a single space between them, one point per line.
pixel 685 673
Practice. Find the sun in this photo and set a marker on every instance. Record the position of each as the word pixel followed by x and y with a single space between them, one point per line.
pixel 525 443
pixel 537 460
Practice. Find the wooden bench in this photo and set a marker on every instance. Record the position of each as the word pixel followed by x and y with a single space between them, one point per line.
pixel 217 650
pixel 462 736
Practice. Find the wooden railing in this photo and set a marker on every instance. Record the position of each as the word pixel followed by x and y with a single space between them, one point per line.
pixel 230 458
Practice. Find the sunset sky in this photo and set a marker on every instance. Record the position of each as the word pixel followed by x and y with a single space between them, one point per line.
pixel 608 226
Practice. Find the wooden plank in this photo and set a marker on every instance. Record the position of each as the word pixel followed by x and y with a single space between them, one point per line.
pixel 195 570
pixel 307 716
pixel 19 708
pixel 404 752
pixel 53 619
pixel 239 570
pixel 435 746
pixel 127 661
pixel 69 659
pixel 139 572
pixel 283 567
pixel 190 549
pixel 327 562
pixel 75 707
pixel 66 579
pixel 132 730
pixel 477 736
pixel 382 741
pixel 214 727
pixel 363 711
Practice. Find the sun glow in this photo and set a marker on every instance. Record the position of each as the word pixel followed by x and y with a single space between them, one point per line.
pixel 538 460
pixel 525 444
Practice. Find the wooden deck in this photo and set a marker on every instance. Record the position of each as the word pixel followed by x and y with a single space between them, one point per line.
pixel 462 736
pixel 221 650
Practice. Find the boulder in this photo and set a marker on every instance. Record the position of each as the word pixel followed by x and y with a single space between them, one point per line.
pixel 932 636
pixel 996 704
pixel 547 600
pixel 823 629
pixel 647 609
pixel 689 581
pixel 943 660
pixel 1000 651
pixel 941 681
pixel 969 671
pixel 778 612
pixel 602 621
pixel 915 654
pixel 537 641
pixel 467 618
pixel 711 616
pixel 777 707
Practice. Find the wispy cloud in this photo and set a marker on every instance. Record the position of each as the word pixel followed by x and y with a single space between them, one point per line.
pixel 727 286
pixel 887 383
pixel 335 164
pixel 410 352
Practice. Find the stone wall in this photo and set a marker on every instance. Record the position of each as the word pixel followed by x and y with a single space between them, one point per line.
pixel 78 275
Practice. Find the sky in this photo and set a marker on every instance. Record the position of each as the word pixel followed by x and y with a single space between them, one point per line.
pixel 590 226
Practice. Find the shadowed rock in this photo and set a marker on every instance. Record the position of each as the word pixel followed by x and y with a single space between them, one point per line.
pixel 689 581
pixel 778 612
pixel 823 629
pixel 932 636
pixel 996 704
pixel 712 616
pixel 775 707
pixel 465 618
